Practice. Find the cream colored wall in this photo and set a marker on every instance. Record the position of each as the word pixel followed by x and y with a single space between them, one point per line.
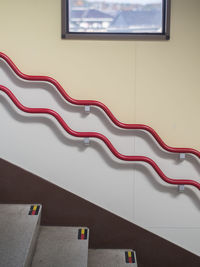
pixel 155 83
pixel 98 70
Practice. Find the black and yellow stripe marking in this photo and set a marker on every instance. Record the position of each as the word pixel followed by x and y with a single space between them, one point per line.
pixel 34 210
pixel 82 234
pixel 129 257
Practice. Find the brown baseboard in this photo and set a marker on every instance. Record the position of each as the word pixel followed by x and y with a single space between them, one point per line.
pixel 107 230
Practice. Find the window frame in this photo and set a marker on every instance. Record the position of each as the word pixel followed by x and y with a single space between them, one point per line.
pixel 165 35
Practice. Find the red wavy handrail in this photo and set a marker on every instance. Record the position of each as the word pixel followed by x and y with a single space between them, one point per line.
pixel 102 106
pixel 99 136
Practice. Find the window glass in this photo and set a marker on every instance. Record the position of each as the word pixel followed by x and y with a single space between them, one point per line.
pixel 115 16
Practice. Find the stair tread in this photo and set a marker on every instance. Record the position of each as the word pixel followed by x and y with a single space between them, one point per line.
pixel 109 258
pixel 18 232
pixel 60 246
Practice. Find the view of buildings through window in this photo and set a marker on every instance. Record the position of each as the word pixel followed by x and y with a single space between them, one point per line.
pixel 115 16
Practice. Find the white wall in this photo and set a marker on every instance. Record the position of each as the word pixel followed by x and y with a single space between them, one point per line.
pixel 154 83
pixel 133 191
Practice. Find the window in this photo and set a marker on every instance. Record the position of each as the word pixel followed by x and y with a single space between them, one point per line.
pixel 115 19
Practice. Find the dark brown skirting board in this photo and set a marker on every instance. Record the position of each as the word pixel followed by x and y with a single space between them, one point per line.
pixel 107 230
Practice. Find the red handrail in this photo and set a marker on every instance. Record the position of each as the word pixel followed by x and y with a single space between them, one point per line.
pixel 99 136
pixel 102 106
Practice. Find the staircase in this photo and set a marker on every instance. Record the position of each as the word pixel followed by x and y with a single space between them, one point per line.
pixel 23 243
pixel 107 180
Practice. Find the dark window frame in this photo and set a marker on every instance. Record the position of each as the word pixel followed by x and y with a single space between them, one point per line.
pixel 165 35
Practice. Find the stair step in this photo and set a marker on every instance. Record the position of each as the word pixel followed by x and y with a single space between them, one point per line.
pixel 111 258
pixel 61 247
pixel 18 234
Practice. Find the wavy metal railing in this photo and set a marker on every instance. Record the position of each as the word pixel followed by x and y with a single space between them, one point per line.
pixel 99 136
pixel 101 105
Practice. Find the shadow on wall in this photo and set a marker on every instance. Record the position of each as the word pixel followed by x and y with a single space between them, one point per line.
pixel 106 155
